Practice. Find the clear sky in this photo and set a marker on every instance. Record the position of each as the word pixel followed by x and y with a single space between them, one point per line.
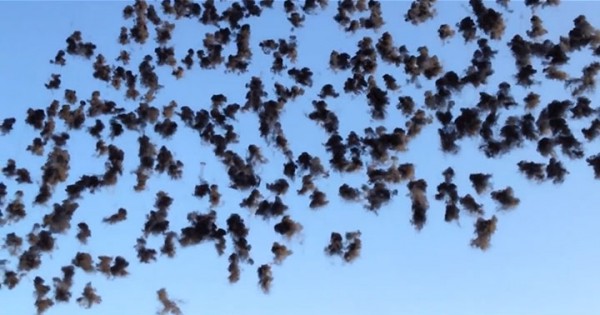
pixel 544 256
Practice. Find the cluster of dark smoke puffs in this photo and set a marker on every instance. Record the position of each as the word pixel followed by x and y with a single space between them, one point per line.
pixel 373 150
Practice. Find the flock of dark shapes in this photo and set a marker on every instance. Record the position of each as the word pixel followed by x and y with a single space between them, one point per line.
pixel 350 153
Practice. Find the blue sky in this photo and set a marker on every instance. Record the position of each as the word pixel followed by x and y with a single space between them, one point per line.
pixel 544 256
